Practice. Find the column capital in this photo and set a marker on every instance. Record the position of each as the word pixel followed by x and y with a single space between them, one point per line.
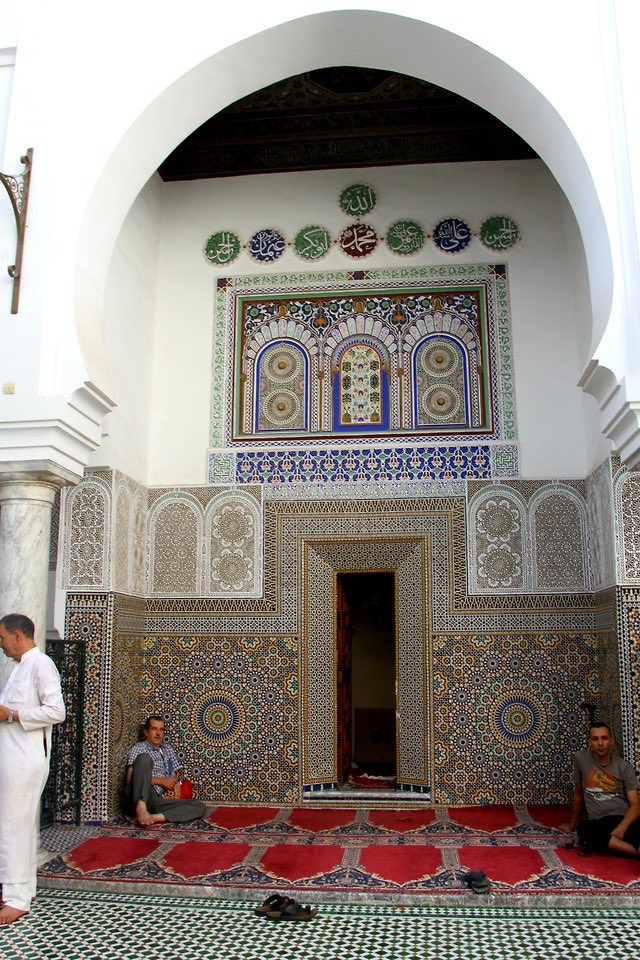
pixel 42 472
pixel 27 492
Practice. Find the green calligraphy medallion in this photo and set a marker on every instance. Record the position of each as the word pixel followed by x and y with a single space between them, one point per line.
pixel 405 237
pixel 358 199
pixel 222 248
pixel 312 243
pixel 499 233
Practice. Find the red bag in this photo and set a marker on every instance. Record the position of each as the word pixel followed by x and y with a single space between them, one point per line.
pixel 186 790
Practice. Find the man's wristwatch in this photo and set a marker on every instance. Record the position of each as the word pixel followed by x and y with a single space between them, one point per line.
pixel 10 716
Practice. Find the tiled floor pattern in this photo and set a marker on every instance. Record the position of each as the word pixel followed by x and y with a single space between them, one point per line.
pixel 80 925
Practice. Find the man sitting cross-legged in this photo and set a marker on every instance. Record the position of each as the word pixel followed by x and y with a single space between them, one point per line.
pixel 605 788
pixel 149 792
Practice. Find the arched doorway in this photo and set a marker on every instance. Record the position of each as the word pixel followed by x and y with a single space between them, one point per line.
pixel 366 678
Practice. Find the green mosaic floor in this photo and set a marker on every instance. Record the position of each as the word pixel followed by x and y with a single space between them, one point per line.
pixel 80 925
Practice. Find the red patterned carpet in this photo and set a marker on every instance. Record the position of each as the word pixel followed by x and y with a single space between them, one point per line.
pixel 402 851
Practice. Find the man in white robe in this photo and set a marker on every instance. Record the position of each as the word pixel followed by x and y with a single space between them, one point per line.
pixel 30 703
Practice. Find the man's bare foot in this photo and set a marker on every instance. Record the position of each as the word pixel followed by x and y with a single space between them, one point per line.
pixel 11 914
pixel 146 819
pixel 156 820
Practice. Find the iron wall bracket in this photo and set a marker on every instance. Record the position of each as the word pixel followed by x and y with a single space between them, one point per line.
pixel 18 189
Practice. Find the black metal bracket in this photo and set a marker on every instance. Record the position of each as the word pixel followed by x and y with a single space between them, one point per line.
pixel 18 189
pixel 591 710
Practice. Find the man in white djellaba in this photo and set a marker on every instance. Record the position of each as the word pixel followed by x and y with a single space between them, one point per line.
pixel 30 703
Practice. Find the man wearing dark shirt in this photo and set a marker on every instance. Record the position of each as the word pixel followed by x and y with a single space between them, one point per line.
pixel 605 789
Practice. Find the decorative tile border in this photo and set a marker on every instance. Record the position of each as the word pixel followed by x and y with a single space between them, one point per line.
pixel 90 619
pixel 338 465
pixel 127 709
pixel 233 506
pixel 628 678
pixel 353 464
pixel 375 490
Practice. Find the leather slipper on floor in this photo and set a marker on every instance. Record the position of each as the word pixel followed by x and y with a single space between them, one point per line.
pixel 477 881
pixel 273 903
pixel 293 911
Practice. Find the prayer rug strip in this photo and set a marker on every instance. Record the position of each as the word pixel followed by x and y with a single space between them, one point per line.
pixel 393 853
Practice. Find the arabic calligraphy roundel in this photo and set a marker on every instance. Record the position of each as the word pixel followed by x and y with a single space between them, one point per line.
pixel 222 247
pixel 358 240
pixel 312 243
pixel 451 235
pixel 266 245
pixel 358 199
pixel 499 233
pixel 405 237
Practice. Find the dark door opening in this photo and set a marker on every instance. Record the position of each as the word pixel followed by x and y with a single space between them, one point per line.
pixel 366 678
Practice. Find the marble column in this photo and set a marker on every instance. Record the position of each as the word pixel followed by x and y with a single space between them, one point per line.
pixel 25 530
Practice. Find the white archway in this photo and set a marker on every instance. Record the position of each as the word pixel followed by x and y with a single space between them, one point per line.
pixel 358 38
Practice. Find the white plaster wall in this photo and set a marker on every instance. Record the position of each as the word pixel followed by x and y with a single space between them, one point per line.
pixel 103 96
pixel 84 82
pixel 620 29
pixel 130 335
pixel 558 423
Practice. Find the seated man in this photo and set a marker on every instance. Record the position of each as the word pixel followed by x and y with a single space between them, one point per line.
pixel 606 789
pixel 150 783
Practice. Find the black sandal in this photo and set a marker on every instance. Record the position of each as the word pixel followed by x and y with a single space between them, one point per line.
pixel 293 911
pixel 274 902
pixel 477 881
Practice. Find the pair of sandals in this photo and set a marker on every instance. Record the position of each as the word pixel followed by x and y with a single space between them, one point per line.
pixel 276 907
pixel 478 881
